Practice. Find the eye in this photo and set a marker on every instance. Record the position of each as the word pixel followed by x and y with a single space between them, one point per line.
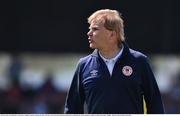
pixel 93 28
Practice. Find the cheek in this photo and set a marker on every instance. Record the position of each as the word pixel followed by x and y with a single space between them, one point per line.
pixel 96 36
pixel 99 37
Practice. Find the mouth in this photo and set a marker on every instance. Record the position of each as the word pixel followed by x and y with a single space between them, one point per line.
pixel 90 40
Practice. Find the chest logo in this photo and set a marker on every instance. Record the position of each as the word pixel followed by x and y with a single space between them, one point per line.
pixel 127 70
pixel 94 73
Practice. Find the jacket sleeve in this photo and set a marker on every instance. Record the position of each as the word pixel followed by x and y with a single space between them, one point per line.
pixel 151 91
pixel 75 98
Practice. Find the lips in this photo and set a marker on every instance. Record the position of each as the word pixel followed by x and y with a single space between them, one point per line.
pixel 90 40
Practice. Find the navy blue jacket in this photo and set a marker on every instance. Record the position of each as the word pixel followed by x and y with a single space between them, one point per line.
pixel 119 93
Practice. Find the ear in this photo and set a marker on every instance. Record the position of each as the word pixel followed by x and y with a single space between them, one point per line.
pixel 113 34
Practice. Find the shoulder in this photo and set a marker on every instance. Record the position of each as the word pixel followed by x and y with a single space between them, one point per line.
pixel 89 57
pixel 138 55
pixel 84 60
pixel 133 54
pixel 140 59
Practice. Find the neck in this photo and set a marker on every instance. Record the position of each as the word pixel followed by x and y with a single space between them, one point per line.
pixel 110 52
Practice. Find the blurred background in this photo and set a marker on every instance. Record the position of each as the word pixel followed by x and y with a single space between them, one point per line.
pixel 42 40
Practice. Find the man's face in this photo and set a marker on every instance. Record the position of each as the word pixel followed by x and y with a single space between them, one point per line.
pixel 98 36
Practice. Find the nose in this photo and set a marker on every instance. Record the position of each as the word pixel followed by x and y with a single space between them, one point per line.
pixel 89 33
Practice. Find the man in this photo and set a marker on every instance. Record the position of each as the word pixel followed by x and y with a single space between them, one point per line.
pixel 114 78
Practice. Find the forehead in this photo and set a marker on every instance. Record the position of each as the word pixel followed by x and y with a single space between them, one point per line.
pixel 96 24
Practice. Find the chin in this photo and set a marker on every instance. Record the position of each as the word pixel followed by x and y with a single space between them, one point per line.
pixel 92 46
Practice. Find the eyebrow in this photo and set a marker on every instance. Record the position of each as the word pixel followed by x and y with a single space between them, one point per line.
pixel 95 26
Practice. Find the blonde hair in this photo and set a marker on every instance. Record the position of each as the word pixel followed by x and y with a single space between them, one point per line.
pixel 112 21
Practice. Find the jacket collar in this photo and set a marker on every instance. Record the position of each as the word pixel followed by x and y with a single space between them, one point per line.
pixel 124 53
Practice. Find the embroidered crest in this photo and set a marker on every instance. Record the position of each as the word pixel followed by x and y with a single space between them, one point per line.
pixel 94 73
pixel 127 70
